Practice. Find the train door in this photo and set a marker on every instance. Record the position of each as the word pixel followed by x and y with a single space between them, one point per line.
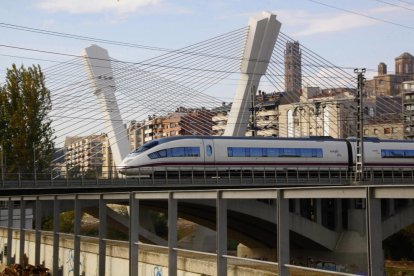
pixel 209 155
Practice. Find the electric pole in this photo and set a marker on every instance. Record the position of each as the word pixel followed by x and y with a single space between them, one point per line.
pixel 359 158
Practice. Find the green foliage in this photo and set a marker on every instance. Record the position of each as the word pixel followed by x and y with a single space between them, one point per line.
pixel 160 223
pixel 47 223
pixel 67 222
pixel 25 128
pixel 232 245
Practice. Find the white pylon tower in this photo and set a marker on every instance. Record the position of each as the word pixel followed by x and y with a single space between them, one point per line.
pixel 99 70
pixel 263 32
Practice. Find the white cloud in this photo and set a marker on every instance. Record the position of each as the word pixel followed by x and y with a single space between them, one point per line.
pixel 48 23
pixel 95 6
pixel 316 23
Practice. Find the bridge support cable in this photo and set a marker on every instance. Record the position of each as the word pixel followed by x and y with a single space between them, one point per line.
pixel 330 79
pixel 177 65
pixel 374 234
pixel 263 32
pixel 10 206
pixel 102 235
pixel 221 235
pixel 172 235
pixel 107 77
pixel 56 230
pixel 292 71
pixel 133 234
pixel 283 237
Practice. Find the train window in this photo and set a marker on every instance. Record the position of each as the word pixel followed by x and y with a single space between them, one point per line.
pixel 209 150
pixel 176 152
pixel 236 152
pixel 145 147
pixel 256 152
pixel 162 153
pixel 275 152
pixel 272 152
pixel 289 152
pixel 154 155
pixel 387 153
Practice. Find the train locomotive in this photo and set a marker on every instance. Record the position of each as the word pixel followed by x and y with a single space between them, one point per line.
pixel 220 153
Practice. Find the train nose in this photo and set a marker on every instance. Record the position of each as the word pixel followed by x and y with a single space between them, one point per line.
pixel 122 169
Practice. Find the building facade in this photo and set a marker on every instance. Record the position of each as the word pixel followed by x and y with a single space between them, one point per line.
pixel 135 131
pixel 220 118
pixel 408 109
pixel 390 130
pixel 266 116
pixel 385 84
pixel 319 113
pixel 84 155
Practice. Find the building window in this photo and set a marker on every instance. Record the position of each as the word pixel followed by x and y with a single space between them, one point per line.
pixel 326 121
pixel 371 112
pixel 387 130
pixel 290 123
pixel 366 131
pixel 376 131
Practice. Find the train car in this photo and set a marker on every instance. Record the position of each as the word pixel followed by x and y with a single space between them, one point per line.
pixel 219 153
pixel 385 154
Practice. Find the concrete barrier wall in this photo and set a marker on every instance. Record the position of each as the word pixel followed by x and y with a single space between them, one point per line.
pixel 117 258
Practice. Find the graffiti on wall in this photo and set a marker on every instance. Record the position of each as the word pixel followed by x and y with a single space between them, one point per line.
pixel 157 271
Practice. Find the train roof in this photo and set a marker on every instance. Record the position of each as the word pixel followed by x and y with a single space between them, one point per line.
pixel 312 138
pixel 378 140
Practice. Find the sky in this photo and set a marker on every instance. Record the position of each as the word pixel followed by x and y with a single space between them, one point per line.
pixel 341 35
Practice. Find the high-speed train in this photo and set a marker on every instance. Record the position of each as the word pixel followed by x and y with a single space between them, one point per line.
pixel 217 153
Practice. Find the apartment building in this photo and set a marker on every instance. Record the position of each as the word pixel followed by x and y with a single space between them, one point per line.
pixel 220 118
pixel 408 109
pixel 84 155
pixel 329 112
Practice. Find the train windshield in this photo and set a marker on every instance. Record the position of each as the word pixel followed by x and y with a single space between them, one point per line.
pixel 144 147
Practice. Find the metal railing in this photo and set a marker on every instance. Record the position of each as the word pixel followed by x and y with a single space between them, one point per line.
pixel 224 177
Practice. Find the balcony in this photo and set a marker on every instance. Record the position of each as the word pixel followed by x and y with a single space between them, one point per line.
pixel 270 112
pixel 263 123
pixel 268 132
pixel 219 127
pixel 219 118
pixel 148 131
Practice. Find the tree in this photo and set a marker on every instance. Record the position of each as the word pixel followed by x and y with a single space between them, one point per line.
pixel 26 134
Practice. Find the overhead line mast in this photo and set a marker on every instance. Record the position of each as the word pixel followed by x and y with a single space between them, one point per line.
pixel 359 158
